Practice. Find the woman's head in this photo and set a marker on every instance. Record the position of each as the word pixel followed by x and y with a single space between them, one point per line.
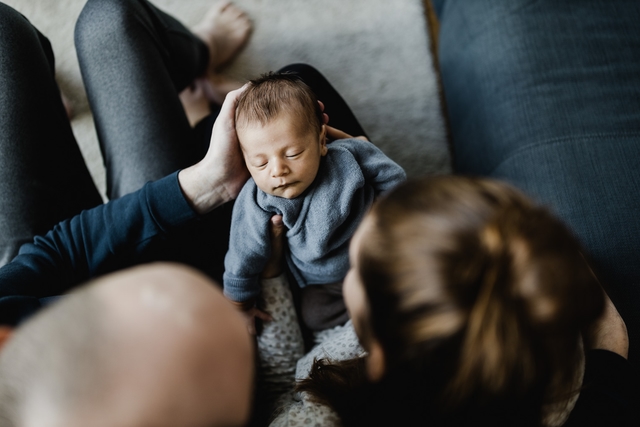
pixel 468 276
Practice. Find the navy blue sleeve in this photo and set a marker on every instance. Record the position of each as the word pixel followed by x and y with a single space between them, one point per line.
pixel 92 243
pixel 609 396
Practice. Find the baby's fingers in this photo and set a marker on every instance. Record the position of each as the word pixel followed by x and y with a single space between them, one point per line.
pixel 263 315
pixel 257 318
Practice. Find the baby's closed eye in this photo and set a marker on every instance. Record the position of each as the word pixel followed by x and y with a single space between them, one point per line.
pixel 294 155
pixel 259 163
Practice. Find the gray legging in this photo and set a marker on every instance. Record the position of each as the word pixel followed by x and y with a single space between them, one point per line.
pixel 135 60
pixel 43 178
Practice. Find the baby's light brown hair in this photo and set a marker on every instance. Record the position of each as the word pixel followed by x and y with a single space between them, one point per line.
pixel 275 93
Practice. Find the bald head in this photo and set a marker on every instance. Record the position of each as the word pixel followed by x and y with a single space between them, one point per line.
pixel 155 345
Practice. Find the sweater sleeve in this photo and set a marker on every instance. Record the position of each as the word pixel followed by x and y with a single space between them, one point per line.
pixel 610 393
pixel 249 246
pixel 94 242
pixel 379 170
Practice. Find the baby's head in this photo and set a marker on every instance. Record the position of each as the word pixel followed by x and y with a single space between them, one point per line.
pixel 282 134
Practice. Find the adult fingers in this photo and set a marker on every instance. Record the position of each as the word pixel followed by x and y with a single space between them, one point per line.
pixel 334 133
pixel 325 116
pixel 274 265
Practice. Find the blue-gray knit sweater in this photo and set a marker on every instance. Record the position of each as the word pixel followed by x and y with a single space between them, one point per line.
pixel 319 223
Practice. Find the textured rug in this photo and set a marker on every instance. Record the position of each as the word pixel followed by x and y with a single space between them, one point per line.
pixel 375 52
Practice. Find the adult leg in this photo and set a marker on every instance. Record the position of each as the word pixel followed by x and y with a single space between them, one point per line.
pixel 340 115
pixel 546 95
pixel 43 177
pixel 135 60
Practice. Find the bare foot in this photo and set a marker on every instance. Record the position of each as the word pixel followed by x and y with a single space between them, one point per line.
pixel 219 86
pixel 225 29
pixel 197 97
pixel 195 102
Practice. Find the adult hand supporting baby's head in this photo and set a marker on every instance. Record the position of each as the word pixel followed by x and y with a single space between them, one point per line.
pixel 221 174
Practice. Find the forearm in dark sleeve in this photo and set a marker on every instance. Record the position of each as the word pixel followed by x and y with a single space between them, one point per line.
pixel 96 241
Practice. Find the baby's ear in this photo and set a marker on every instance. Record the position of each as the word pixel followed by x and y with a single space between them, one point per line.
pixel 323 140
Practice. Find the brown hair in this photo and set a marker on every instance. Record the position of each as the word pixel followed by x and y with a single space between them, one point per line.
pixel 478 298
pixel 274 93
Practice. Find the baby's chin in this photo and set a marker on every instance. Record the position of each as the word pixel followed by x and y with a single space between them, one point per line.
pixel 289 191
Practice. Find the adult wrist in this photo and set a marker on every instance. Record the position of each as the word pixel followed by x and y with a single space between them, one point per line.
pixel 202 191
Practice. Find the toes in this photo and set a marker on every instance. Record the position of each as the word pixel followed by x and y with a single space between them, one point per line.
pixel 230 9
pixel 223 5
pixel 225 29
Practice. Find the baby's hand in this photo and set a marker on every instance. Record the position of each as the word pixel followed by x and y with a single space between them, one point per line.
pixel 251 312
pixel 255 313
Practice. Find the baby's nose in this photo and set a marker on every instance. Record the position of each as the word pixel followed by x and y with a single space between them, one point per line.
pixel 279 168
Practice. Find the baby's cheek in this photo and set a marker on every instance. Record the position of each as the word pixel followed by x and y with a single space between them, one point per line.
pixel 265 188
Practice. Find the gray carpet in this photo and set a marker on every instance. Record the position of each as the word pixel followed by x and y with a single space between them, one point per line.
pixel 375 52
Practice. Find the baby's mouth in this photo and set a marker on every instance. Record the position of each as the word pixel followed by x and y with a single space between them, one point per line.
pixel 283 186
